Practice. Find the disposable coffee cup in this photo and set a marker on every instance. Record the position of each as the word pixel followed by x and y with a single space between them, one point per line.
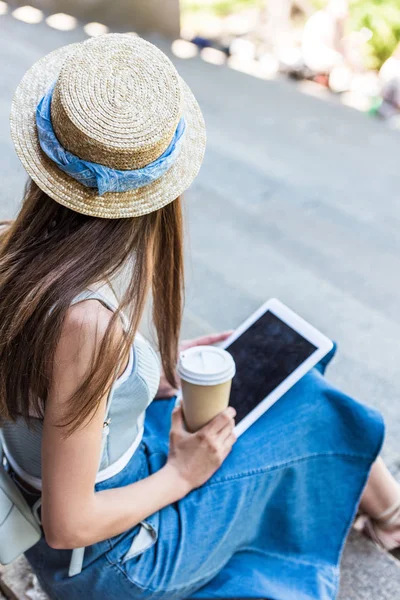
pixel 206 373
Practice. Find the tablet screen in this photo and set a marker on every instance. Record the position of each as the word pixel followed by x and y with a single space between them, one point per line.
pixel 265 354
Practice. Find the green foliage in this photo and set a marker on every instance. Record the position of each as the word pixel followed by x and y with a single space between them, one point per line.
pixel 382 17
pixel 218 7
pixel 319 3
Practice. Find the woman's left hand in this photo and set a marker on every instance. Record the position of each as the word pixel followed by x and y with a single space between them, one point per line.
pixel 165 389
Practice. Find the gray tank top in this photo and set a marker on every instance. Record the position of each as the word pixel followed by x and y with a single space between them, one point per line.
pixel 128 399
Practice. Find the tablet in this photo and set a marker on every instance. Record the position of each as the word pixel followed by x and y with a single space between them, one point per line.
pixel 272 349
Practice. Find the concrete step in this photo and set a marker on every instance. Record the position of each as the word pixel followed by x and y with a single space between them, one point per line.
pixel 367 573
pixel 17 582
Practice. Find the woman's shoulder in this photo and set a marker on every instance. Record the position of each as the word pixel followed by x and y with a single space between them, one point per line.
pixel 88 315
pixel 83 329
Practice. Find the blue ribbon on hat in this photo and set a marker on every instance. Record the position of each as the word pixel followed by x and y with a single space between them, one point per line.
pixel 93 175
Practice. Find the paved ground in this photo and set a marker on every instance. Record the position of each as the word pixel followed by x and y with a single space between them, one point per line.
pixel 297 199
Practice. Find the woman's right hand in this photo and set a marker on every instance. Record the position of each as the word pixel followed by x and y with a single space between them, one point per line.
pixel 196 456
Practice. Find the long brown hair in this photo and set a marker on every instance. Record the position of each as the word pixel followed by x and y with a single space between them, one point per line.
pixel 49 254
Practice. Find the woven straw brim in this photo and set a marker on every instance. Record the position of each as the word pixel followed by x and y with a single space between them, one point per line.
pixel 69 192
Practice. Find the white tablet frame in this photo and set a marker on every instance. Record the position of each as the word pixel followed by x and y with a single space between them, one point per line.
pixel 310 333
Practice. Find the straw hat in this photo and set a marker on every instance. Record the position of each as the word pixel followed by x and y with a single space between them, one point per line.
pixel 117 102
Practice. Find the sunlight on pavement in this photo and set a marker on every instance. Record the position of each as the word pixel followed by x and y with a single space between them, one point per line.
pixel 62 22
pixel 242 60
pixel 94 29
pixel 28 14
pixel 3 8
pixel 213 56
pixel 314 89
pixel 269 66
pixel 355 100
pixel 243 48
pixel 248 66
pixel 184 49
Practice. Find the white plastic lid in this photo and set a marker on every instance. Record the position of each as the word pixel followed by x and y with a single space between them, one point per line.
pixel 206 365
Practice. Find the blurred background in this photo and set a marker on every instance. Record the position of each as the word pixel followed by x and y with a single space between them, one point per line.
pixel 298 197
pixel 347 47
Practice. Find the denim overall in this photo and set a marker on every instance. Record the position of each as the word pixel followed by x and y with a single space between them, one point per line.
pixel 270 523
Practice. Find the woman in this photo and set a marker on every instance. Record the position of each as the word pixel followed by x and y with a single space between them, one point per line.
pixel 111 136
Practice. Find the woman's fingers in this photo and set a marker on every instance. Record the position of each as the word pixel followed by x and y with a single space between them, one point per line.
pixel 213 338
pixel 206 340
pixel 229 441
pixel 177 417
pixel 220 422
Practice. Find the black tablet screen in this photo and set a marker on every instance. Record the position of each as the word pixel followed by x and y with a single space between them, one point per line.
pixel 265 354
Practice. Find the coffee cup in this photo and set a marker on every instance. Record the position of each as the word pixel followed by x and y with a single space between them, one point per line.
pixel 206 374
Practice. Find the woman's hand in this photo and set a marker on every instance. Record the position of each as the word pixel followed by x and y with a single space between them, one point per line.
pixel 196 456
pixel 165 389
